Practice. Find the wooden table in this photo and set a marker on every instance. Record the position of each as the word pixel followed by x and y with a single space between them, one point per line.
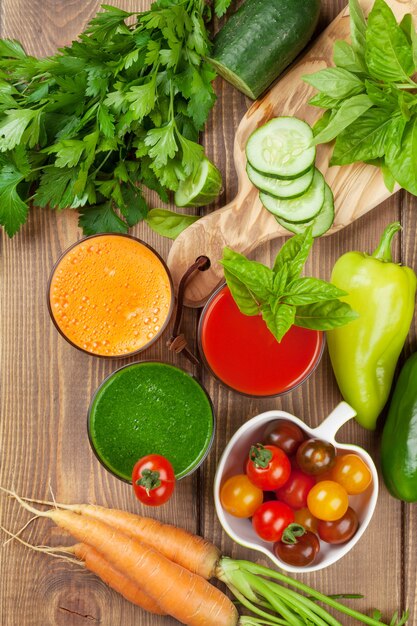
pixel 46 386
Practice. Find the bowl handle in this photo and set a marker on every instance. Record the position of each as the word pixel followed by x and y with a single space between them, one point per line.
pixel 339 416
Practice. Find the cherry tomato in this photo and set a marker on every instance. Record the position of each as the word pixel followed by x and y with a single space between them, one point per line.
pixel 240 497
pixel 301 553
pixel 315 456
pixel 304 518
pixel 341 530
pixel 271 519
pixel 153 479
pixel 268 467
pixel 295 491
pixel 285 435
pixel 350 471
pixel 328 500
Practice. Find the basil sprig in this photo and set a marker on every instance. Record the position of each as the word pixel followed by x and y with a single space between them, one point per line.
pixel 371 96
pixel 281 295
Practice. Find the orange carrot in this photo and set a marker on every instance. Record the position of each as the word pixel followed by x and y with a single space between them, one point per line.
pixel 176 544
pixel 184 595
pixel 96 563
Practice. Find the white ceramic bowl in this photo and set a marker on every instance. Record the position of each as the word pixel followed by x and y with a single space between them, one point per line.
pixel 231 463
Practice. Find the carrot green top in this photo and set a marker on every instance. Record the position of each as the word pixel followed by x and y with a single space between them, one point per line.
pixel 110 295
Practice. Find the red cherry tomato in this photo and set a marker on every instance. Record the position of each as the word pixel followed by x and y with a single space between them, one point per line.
pixel 295 491
pixel 153 479
pixel 271 519
pixel 268 467
pixel 240 497
pixel 285 435
pixel 341 530
pixel 315 456
pixel 301 553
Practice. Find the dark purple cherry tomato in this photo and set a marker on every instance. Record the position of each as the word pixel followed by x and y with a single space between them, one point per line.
pixel 341 530
pixel 316 456
pixel 285 435
pixel 301 553
pixel 295 491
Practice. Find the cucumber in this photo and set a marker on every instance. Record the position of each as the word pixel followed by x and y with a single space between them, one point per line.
pixel 282 148
pixel 201 188
pixel 321 223
pixel 279 187
pixel 261 39
pixel 301 209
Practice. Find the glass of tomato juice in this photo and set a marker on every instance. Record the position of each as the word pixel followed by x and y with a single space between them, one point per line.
pixel 110 295
pixel 242 353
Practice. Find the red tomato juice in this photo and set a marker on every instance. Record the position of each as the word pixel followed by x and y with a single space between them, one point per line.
pixel 243 353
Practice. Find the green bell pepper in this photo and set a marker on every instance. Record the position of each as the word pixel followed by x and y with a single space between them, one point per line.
pixel 399 437
pixel 364 353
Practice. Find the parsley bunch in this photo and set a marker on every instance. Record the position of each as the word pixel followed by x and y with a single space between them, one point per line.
pixel 119 109
pixel 371 96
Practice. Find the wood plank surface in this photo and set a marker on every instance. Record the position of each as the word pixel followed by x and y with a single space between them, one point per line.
pixel 46 386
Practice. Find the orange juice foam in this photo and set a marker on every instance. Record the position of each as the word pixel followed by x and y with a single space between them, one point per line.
pixel 110 295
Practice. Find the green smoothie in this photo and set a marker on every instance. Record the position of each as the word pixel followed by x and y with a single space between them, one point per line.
pixel 146 408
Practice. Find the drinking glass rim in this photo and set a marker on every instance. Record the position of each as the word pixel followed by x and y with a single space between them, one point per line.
pixel 244 393
pixel 160 331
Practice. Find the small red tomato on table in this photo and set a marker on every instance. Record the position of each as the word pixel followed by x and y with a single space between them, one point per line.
pixel 153 480
pixel 268 467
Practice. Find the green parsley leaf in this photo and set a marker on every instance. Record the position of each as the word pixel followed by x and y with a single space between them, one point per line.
pixel 13 210
pixel 101 219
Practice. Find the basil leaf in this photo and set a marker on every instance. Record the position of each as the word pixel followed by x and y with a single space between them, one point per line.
pixel 389 55
pixel 256 277
pixel 280 280
pixel 335 82
pixel 364 139
pixel 349 111
pixel 389 179
pixel 278 317
pixel 345 56
pixel 243 297
pixel 325 102
pixel 323 122
pixel 402 161
pixel 324 315
pixel 407 27
pixel 309 290
pixel 357 27
pixel 294 253
pixel 385 96
pixel 168 223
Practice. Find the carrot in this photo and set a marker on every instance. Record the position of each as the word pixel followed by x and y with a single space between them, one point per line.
pixel 91 559
pixel 176 544
pixel 96 563
pixel 184 595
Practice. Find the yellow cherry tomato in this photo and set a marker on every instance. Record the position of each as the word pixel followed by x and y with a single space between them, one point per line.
pixel 328 500
pixel 352 473
pixel 240 497
pixel 306 519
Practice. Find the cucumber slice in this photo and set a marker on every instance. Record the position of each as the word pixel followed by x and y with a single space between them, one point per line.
pixel 201 188
pixel 280 187
pixel 282 148
pixel 301 209
pixel 321 223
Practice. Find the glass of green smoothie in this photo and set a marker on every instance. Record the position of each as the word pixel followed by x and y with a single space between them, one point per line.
pixel 150 407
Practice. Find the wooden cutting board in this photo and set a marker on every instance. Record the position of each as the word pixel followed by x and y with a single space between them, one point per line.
pixel 244 224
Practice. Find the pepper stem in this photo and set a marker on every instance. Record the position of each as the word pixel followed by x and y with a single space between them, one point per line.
pixel 383 251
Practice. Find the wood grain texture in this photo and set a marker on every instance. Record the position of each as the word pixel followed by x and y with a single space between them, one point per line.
pixel 46 386
pixel 243 224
